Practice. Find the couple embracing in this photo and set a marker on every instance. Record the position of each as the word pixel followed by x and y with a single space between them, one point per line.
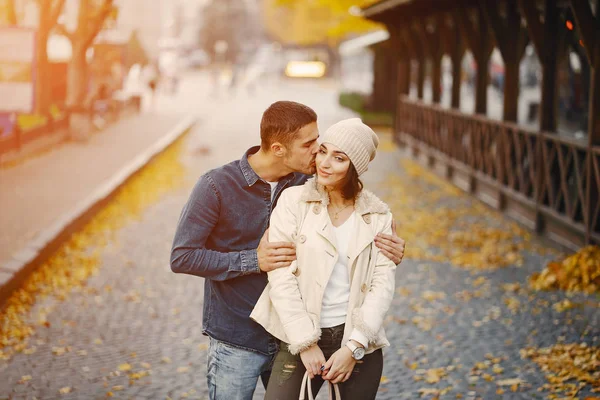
pixel 298 259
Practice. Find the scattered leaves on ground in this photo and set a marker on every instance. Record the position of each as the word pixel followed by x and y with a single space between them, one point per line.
pixel 568 367
pixel 579 272
pixel 467 234
pixel 57 277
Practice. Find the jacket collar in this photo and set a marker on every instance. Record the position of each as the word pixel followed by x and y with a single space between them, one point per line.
pixel 250 175
pixel 366 202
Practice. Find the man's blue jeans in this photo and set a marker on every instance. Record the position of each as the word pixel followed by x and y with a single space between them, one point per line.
pixel 233 372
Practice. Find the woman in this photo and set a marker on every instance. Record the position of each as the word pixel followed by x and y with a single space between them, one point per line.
pixel 328 307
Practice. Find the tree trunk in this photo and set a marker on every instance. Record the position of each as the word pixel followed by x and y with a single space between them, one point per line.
pixel 511 91
pixel 456 81
pixel 42 86
pixel 77 77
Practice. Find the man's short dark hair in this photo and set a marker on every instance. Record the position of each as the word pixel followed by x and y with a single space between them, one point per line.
pixel 282 120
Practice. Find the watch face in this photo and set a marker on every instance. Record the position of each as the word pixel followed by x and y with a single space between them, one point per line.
pixel 358 353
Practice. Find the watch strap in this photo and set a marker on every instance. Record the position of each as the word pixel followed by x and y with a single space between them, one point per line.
pixel 353 348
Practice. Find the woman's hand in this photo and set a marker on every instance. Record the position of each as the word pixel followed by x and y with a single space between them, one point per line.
pixel 339 366
pixel 313 359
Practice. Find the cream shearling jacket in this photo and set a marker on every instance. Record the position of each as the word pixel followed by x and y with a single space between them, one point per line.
pixel 290 306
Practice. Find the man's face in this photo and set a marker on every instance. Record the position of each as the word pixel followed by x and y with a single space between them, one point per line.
pixel 300 154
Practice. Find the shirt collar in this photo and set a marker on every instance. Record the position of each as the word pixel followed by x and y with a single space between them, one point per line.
pixel 250 175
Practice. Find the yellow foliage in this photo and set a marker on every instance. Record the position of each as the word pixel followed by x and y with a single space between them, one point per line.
pixel 315 22
pixel 79 257
pixel 352 25
pixel 562 363
pixel 579 272
pixel 438 225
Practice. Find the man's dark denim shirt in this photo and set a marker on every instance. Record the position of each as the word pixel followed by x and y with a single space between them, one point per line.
pixel 218 233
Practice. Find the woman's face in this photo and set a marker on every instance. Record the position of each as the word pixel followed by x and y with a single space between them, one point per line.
pixel 332 166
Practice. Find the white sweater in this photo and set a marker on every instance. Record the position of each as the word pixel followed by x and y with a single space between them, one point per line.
pixel 337 292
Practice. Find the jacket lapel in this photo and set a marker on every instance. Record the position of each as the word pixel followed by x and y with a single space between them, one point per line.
pixel 363 237
pixel 325 232
pixel 366 204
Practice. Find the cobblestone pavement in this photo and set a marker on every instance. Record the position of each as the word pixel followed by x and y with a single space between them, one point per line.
pixel 135 330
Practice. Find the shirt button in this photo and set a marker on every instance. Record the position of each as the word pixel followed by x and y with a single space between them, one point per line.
pixel 317 209
pixel 367 218
pixel 302 238
pixel 363 288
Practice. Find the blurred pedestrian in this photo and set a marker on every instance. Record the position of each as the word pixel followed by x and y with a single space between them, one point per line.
pixel 101 106
pixel 328 308
pixel 151 78
pixel 219 238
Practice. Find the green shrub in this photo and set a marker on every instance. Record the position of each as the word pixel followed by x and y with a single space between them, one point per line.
pixel 352 100
pixel 357 101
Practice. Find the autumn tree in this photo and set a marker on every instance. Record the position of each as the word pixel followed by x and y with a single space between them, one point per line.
pixel 327 21
pixel 90 21
pixel 8 16
pixel 49 12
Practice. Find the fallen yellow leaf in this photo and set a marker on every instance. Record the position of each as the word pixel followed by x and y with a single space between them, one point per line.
pixel 509 382
pixel 125 367
pixel 65 390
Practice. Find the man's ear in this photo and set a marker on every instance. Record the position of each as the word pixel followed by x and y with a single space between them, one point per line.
pixel 278 149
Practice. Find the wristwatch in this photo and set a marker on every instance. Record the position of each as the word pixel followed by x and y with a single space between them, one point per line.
pixel 357 352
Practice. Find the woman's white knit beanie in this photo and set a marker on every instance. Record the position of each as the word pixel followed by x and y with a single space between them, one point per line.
pixel 354 138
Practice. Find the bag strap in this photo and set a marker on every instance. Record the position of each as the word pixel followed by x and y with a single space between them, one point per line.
pixel 304 386
pixel 336 389
pixel 333 388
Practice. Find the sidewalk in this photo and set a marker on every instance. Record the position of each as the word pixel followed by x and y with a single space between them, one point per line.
pixel 39 191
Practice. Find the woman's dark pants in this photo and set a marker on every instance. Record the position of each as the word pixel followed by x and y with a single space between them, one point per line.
pixel 288 371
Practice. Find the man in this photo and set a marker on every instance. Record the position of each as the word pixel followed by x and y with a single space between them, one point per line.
pixel 219 238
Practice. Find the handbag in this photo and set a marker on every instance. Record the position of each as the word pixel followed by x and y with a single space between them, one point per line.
pixel 333 388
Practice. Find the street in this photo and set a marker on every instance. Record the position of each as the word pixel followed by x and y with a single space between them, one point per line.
pixel 458 329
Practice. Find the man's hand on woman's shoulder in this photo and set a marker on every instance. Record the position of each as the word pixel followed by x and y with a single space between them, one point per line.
pixel 391 246
pixel 274 255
